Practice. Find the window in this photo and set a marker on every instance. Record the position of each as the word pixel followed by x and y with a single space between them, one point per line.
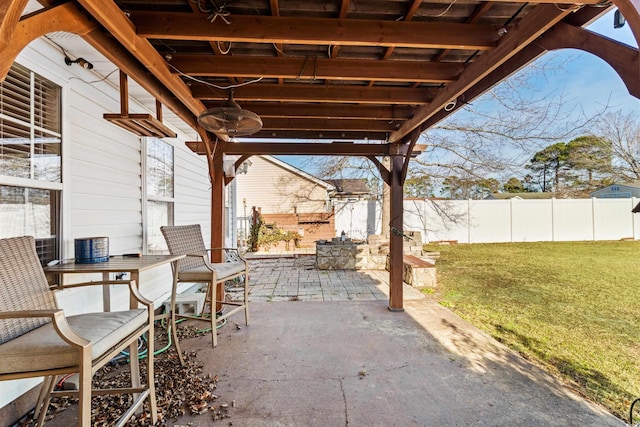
pixel 159 182
pixel 29 126
pixel 30 159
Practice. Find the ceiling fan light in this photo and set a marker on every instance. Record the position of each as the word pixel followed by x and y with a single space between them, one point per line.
pixel 230 119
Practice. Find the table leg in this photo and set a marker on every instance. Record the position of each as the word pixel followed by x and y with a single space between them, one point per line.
pixel 106 294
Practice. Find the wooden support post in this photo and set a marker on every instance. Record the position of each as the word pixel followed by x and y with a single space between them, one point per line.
pixel 217 219
pixel 124 94
pixel 395 235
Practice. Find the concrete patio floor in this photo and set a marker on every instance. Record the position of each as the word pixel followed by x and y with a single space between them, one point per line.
pixel 336 356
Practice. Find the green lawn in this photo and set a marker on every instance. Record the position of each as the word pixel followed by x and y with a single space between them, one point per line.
pixel 572 307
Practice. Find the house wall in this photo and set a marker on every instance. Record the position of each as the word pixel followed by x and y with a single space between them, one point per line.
pixel 102 192
pixel 275 190
pixel 268 186
pixel 617 191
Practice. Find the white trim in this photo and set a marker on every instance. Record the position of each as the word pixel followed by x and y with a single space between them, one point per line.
pixel 297 171
pixel 31 183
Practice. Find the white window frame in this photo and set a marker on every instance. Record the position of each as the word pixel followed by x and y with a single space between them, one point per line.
pixel 146 197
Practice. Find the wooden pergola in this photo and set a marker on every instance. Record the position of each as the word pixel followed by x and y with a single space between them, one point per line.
pixel 358 78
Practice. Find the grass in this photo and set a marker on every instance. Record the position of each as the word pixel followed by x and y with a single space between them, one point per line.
pixel 572 307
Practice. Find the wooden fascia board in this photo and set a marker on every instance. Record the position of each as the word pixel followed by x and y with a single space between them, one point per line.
pixel 276 148
pixel 319 93
pixel 327 124
pixel 10 12
pixel 65 17
pixel 298 30
pixel 327 111
pixel 622 58
pixel 317 68
pixel 534 24
pixel 121 58
pixel 116 22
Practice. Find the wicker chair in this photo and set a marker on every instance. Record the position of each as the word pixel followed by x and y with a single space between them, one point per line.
pixel 38 340
pixel 196 268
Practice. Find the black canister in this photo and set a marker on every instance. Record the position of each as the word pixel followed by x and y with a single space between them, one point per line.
pixel 89 250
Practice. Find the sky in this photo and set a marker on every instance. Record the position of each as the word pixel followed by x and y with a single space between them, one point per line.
pixel 584 81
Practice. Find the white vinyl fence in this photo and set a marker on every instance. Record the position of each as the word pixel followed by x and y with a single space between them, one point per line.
pixel 513 220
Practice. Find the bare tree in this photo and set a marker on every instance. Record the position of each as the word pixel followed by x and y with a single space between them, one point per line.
pixel 622 131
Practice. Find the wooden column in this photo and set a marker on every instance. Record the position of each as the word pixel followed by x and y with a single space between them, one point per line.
pixel 396 226
pixel 217 217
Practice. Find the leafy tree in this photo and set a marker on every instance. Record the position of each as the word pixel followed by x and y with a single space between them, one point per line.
pixel 456 187
pixel 418 186
pixel 590 155
pixel 548 164
pixel 514 185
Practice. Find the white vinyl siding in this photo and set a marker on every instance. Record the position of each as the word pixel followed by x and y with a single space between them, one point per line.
pixel 275 189
pixel 102 181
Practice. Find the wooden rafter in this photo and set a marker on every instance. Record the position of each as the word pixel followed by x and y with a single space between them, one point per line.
pixel 351 32
pixel 328 124
pixel 317 68
pixel 479 11
pixel 321 135
pixel 328 111
pixel 319 93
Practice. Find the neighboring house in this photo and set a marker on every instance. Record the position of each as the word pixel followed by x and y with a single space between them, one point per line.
pixel 350 188
pixel 524 196
pixel 618 191
pixel 285 195
pixel 275 186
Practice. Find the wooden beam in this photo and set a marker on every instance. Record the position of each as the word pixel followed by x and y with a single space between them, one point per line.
pixel 10 12
pixel 291 148
pixel 480 10
pixel 328 124
pixel 324 135
pixel 622 58
pixel 320 93
pixel 65 17
pixel 299 30
pixel 326 110
pixel 534 24
pixel 305 68
pixel 116 22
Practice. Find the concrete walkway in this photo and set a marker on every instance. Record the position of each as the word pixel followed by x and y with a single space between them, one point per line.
pixel 322 349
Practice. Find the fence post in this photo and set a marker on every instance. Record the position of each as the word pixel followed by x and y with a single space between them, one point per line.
pixel 553 225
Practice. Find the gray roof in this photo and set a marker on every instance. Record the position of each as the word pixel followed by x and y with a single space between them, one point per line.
pixel 350 185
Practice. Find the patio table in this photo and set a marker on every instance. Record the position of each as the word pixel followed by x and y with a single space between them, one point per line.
pixel 116 264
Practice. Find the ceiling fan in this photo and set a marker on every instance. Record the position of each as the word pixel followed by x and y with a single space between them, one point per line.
pixel 230 119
